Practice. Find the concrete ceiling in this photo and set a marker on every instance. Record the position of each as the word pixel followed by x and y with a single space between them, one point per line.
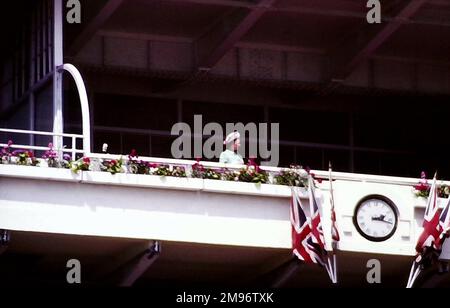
pixel 38 257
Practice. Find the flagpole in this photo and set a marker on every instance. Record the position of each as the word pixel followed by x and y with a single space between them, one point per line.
pixel 413 274
pixel 329 269
pixel 333 242
pixel 335 267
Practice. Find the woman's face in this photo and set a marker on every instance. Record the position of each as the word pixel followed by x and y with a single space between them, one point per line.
pixel 236 144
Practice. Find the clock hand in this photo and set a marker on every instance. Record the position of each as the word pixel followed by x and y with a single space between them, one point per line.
pixel 381 218
pixel 386 221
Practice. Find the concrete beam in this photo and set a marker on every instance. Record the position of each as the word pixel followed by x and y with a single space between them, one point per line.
pixel 364 44
pixel 107 271
pixel 134 269
pixel 94 25
pixel 285 272
pixel 320 11
pixel 224 34
pixel 125 268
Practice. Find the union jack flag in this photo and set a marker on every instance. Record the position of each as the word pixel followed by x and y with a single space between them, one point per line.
pixel 307 234
pixel 303 244
pixel 316 223
pixel 444 224
pixel 429 244
pixel 431 228
pixel 301 229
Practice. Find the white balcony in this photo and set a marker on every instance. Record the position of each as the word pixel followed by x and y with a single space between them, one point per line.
pixel 190 210
pixel 213 226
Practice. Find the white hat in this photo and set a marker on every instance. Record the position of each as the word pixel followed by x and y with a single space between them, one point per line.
pixel 231 137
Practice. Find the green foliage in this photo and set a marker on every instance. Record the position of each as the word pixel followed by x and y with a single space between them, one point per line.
pixel 113 166
pixel 81 164
pixel 162 170
pixel 179 172
pixel 252 174
pixel 295 176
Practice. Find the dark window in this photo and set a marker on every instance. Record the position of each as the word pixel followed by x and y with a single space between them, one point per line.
pixel 367 162
pixel 310 157
pixel 311 126
pixel 222 113
pixel 113 139
pixel 139 142
pixel 135 112
pixel 340 160
pixel 161 146
pixel 287 156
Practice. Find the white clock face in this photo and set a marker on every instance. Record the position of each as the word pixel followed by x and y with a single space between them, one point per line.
pixel 376 219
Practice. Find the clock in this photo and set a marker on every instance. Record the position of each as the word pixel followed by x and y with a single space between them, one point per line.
pixel 375 218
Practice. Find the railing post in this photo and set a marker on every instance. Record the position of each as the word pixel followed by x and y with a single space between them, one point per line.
pixel 84 105
pixel 58 123
pixel 74 146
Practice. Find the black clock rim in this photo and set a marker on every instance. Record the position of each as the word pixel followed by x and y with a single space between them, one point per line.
pixel 390 203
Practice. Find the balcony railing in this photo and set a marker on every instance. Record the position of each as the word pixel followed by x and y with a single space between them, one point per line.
pixel 86 148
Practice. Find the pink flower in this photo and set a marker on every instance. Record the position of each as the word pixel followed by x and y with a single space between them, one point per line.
pixel 50 145
pixel 423 178
pixel 133 153
pixel 10 143
pixel 421 187
pixel 86 160
pixel 197 166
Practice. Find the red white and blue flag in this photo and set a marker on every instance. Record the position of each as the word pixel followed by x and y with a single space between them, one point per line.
pixel 316 222
pixel 301 229
pixel 431 229
pixel 435 228
pixel 308 242
pixel 444 224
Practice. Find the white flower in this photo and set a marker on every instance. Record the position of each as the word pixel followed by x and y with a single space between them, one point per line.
pixel 303 173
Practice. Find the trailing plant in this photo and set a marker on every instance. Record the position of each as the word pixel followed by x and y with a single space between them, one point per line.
pixel 294 176
pixel 253 174
pixel 423 188
pixel 66 161
pixel 81 164
pixel 161 170
pixel 136 166
pixel 179 171
pixel 25 158
pixel 51 157
pixel 112 166
pixel 199 171
pixel 6 154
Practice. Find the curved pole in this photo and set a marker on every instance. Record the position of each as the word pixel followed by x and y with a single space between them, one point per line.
pixel 85 117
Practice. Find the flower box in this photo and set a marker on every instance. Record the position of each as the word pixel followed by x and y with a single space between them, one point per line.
pixel 142 180
pixel 246 188
pixel 421 202
pixel 45 173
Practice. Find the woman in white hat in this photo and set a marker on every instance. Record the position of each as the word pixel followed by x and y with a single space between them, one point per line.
pixel 231 155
